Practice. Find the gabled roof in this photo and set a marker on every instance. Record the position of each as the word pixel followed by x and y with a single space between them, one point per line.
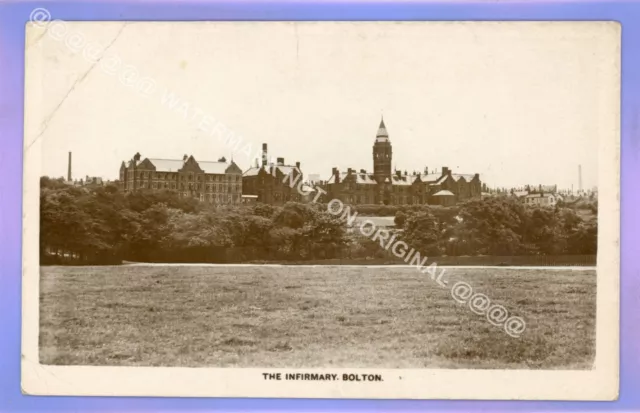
pixel 166 165
pixel 213 167
pixel 365 179
pixel 360 178
pixel 467 177
pixel 174 165
pixel 287 169
pixel 252 171
pixel 444 192
pixel 539 195
pixel 404 180
pixel 436 178
pixel 284 169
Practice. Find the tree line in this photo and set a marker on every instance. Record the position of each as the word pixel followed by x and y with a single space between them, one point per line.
pixel 102 225
pixel 499 226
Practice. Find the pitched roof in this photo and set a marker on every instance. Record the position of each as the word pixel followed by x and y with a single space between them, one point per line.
pixel 467 177
pixel 166 165
pixel 287 169
pixel 401 180
pixel 444 192
pixel 539 195
pixel 430 177
pixel 284 169
pixel 213 167
pixel 252 171
pixel 366 179
pixel 174 165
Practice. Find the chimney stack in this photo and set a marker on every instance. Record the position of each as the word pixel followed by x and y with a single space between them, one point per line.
pixel 579 177
pixel 280 161
pixel 445 170
pixel 298 164
pixel 398 174
pixel 426 170
pixel 69 169
pixel 264 154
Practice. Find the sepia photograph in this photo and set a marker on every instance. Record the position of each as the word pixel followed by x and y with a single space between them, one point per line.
pixel 321 209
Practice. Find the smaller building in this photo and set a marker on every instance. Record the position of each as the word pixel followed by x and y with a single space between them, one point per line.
pixel 444 198
pixel 274 184
pixel 520 195
pixel 92 181
pixel 249 199
pixel 542 199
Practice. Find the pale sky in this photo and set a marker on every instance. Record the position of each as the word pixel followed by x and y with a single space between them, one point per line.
pixel 517 103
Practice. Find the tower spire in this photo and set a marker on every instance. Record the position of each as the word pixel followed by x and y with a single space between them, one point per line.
pixel 382 130
pixel 382 154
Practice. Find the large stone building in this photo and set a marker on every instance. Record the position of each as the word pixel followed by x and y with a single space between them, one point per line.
pixel 396 188
pixel 214 182
pixel 273 183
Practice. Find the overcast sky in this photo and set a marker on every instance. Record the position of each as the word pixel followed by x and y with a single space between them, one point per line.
pixel 516 103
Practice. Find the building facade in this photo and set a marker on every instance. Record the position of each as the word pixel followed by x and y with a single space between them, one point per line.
pixel 273 183
pixel 542 199
pixel 397 188
pixel 213 182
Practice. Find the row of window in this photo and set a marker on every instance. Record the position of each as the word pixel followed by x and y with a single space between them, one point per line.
pixel 219 199
pixel 279 196
pixel 540 200
pixel 397 188
pixel 191 186
pixel 400 200
pixel 182 177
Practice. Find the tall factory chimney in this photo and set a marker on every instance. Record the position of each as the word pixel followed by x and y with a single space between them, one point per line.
pixel 264 154
pixel 579 178
pixel 69 169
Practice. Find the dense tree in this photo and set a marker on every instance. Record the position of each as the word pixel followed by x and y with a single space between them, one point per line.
pixel 86 225
pixel 422 232
pixel 400 219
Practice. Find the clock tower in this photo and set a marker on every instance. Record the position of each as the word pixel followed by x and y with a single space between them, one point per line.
pixel 382 155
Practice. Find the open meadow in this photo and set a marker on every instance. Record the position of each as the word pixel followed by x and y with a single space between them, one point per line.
pixel 330 316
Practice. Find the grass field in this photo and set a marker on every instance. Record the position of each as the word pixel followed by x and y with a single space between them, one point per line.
pixel 311 317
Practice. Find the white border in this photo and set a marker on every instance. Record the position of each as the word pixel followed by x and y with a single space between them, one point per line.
pixel 601 383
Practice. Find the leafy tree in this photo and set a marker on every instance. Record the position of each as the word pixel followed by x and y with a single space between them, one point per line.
pixel 400 219
pixel 421 231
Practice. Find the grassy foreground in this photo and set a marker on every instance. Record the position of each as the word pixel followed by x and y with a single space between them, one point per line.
pixel 311 317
